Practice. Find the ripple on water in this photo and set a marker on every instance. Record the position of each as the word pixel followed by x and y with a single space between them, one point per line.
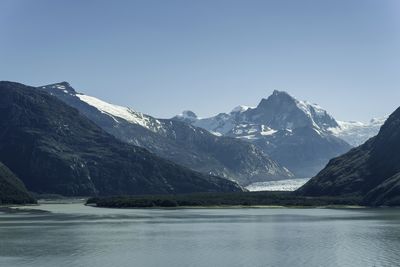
pixel 76 235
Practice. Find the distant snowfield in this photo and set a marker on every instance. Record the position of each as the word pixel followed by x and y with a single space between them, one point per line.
pixel 282 185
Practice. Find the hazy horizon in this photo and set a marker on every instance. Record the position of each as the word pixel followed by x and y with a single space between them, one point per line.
pixel 163 57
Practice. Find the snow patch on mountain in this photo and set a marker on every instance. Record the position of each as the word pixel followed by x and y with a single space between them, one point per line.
pixel 62 86
pixel 222 123
pixel 264 120
pixel 356 133
pixel 119 112
pixel 248 122
pixel 265 130
pixel 240 109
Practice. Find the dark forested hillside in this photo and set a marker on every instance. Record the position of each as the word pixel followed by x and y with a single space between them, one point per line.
pixel 12 190
pixel 174 140
pixel 54 149
pixel 371 170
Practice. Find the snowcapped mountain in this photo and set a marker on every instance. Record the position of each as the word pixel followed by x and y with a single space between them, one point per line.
pixel 280 111
pixel 356 133
pixel 54 149
pixel 370 172
pixel 298 134
pixel 283 112
pixel 187 116
pixel 177 141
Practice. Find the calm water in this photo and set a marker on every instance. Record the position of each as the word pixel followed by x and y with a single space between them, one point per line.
pixel 75 235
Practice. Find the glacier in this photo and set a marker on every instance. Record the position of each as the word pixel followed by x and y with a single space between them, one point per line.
pixel 282 185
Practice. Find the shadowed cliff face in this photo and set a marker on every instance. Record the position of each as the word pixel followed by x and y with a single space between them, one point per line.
pixel 371 170
pixel 295 133
pixel 12 190
pixel 54 149
pixel 282 111
pixel 177 141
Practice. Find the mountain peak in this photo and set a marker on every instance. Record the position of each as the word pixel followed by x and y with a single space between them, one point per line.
pixel 240 109
pixel 277 96
pixel 64 83
pixel 370 171
pixel 282 95
pixel 189 114
pixel 283 111
pixel 64 86
pixel 278 93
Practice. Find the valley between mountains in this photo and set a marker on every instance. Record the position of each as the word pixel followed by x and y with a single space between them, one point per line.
pixel 55 139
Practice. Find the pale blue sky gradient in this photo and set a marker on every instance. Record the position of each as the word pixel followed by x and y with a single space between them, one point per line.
pixel 161 57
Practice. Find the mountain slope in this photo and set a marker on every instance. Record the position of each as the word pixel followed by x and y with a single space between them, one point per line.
pixel 54 149
pixel 295 133
pixel 12 190
pixel 356 133
pixel 177 141
pixel 282 111
pixel 371 170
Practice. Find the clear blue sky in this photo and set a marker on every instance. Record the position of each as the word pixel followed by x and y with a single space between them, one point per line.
pixel 161 57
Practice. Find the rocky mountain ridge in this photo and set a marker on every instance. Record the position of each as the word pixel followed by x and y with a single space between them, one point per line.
pixel 296 133
pixel 371 171
pixel 54 149
pixel 177 141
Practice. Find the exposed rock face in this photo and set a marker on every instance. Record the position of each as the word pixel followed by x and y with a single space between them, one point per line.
pixel 175 140
pixel 282 111
pixel 54 149
pixel 295 133
pixel 371 170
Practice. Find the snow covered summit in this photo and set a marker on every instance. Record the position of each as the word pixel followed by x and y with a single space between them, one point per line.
pixel 298 134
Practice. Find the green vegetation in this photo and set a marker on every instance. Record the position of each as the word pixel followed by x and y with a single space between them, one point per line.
pixel 220 199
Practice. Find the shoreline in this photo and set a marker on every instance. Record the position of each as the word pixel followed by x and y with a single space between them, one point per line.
pixel 265 199
pixel 241 207
pixel 35 208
